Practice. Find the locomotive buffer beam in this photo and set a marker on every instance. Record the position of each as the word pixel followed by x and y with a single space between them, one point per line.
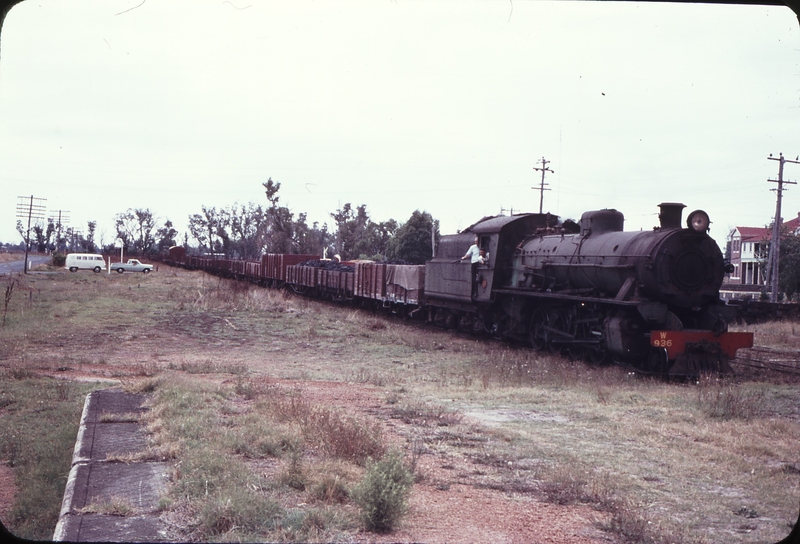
pixel 696 351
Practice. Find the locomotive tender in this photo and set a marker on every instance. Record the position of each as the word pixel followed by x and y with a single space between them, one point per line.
pixel 645 299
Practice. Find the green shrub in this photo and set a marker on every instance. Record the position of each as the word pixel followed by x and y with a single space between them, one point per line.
pixel 59 259
pixel 237 508
pixel 383 492
pixel 294 475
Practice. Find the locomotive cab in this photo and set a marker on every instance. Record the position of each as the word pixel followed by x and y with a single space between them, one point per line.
pixel 451 283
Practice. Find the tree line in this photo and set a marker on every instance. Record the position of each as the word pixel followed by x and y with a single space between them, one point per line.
pixel 250 230
pixel 246 231
pixel 53 236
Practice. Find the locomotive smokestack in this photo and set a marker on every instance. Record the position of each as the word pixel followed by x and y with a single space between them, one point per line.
pixel 670 215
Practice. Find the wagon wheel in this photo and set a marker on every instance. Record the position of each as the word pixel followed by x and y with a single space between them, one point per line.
pixel 538 330
pixel 557 322
pixel 478 326
pixel 451 320
pixel 579 351
pixel 658 361
pixel 440 317
pixel 598 355
pixel 576 352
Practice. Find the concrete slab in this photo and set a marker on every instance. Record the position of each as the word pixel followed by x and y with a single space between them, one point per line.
pixel 137 485
pixel 114 439
pixel 100 489
pixel 100 528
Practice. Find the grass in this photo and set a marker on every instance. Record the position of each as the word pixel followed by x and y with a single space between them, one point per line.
pixel 777 334
pixel 666 462
pixel 219 432
pixel 38 427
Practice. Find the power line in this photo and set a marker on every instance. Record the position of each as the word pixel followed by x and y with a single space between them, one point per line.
pixel 61 219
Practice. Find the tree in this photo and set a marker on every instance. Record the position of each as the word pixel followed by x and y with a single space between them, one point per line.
pixel 375 240
pixel 412 240
pixel 124 223
pixel 135 229
pixel 165 236
pixel 246 224
pixel 279 231
pixel 204 228
pixel 91 226
pixel 44 236
pixel 146 224
pixel 789 264
pixel 41 241
pixel 24 234
pixel 311 240
pixel 351 226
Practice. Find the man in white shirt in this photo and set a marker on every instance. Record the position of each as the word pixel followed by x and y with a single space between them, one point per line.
pixel 474 254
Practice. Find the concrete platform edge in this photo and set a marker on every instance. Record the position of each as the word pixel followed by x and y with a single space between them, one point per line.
pixel 69 491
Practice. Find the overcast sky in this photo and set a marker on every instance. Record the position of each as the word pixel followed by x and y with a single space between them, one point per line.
pixel 442 106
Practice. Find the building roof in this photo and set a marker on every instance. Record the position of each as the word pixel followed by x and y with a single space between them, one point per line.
pixel 756 234
pixel 793 224
pixel 751 234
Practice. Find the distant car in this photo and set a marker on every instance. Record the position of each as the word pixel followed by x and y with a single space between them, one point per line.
pixel 84 261
pixel 133 265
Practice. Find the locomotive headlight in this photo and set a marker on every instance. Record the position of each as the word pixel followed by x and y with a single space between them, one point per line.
pixel 698 221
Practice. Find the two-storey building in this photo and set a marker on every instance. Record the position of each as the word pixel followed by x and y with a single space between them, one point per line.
pixel 749 255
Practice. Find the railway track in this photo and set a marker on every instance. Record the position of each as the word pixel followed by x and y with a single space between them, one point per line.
pixel 763 358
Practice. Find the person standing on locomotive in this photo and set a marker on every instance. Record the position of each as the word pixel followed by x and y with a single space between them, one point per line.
pixel 476 258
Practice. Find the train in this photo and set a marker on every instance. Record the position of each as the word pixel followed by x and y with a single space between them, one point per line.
pixel 590 290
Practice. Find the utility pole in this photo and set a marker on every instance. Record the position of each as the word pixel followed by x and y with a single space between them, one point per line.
pixel 59 217
pixel 32 208
pixel 775 246
pixel 542 189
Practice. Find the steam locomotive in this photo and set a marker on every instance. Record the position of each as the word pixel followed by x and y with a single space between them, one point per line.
pixel 645 299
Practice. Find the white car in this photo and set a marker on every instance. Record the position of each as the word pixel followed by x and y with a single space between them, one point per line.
pixel 133 265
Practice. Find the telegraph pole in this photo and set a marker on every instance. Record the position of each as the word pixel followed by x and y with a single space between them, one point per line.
pixel 32 208
pixel 59 221
pixel 775 246
pixel 542 189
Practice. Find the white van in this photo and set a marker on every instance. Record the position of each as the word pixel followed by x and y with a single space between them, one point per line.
pixel 85 261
